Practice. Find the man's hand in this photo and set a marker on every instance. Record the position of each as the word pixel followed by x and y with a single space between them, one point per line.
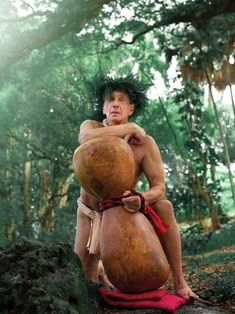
pixel 136 136
pixel 133 140
pixel 131 203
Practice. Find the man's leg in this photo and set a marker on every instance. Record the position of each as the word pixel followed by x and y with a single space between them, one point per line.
pixel 89 261
pixel 171 244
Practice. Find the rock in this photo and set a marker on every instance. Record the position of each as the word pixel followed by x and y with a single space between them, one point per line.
pixel 196 307
pixel 42 278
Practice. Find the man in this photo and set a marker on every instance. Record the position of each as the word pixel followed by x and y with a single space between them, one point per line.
pixel 120 99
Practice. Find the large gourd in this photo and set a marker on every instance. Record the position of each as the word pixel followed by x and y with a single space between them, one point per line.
pixel 104 166
pixel 129 246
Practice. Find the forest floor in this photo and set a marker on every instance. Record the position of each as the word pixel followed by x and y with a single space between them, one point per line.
pixel 211 275
pixel 37 277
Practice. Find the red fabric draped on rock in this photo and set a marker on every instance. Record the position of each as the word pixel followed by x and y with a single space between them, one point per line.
pixel 156 299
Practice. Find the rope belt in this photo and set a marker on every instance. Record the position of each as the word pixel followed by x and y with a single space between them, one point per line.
pixel 158 223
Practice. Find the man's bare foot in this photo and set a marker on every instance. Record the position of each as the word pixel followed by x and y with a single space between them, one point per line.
pixel 185 291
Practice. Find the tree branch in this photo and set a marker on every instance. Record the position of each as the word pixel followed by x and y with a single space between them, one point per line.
pixel 70 16
pixel 37 151
pixel 182 13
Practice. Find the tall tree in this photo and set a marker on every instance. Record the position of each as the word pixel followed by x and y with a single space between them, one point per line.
pixel 66 16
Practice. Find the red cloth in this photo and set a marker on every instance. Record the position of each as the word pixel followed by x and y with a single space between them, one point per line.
pixel 158 223
pixel 156 299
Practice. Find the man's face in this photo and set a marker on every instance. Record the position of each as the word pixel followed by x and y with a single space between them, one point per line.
pixel 117 107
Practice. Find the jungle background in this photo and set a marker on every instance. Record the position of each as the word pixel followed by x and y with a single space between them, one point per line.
pixel 184 52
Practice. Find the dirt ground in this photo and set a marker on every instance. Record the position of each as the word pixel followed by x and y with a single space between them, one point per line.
pixel 40 278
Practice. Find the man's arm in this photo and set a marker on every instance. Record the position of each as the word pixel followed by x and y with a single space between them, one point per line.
pixel 153 169
pixel 90 129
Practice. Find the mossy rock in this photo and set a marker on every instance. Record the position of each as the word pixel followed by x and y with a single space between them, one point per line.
pixel 43 278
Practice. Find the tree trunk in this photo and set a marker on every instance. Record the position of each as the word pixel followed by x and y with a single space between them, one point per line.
pixel 26 205
pixel 10 231
pixel 8 174
pixel 64 191
pixel 203 192
pixel 44 193
pixel 47 220
pixel 232 100
pixel 225 146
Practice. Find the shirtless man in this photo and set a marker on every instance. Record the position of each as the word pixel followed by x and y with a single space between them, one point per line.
pixel 119 99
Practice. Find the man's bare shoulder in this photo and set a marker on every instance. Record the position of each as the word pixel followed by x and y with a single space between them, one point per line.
pixel 149 141
pixel 150 147
pixel 90 124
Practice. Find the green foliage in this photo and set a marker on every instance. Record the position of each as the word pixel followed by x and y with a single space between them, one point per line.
pixel 199 153
pixel 196 241
pixel 44 98
pixel 202 46
pixel 64 226
pixel 213 258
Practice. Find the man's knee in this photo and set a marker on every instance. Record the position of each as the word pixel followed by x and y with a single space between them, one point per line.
pixel 164 207
pixel 82 235
pixel 90 267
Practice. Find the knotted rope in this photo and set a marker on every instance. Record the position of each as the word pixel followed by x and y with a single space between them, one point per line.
pixel 158 223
